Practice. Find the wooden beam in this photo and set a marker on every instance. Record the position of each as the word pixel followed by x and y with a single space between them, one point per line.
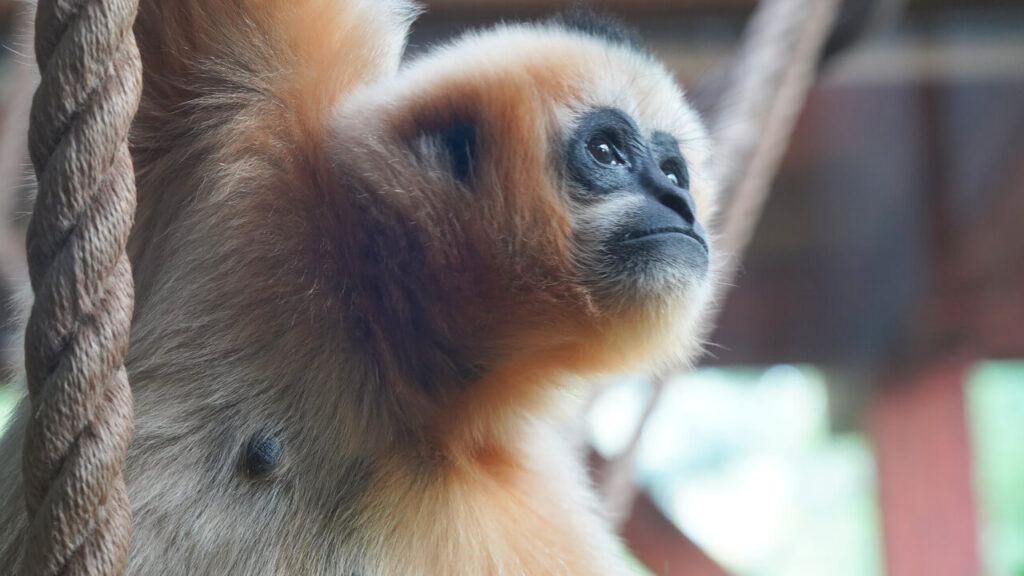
pixel 919 429
pixel 613 5
pixel 662 547
pixel 679 5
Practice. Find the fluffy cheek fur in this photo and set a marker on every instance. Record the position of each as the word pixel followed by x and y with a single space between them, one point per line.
pixel 450 277
pixel 664 333
pixel 501 265
pixel 332 281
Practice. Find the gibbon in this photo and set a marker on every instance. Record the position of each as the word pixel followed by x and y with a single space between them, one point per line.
pixel 367 289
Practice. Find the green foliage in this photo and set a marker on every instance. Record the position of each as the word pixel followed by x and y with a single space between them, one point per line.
pixel 744 462
pixel 995 399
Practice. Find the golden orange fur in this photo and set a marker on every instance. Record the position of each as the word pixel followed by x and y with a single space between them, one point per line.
pixel 308 267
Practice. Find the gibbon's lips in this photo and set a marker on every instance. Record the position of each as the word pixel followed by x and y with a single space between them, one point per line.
pixel 666 220
pixel 690 234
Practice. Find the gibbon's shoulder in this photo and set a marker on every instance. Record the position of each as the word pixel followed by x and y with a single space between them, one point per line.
pixel 245 87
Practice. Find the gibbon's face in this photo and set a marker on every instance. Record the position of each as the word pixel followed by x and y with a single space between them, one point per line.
pixel 553 184
pixel 635 226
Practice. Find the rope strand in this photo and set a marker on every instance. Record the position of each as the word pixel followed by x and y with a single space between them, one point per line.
pixel 77 335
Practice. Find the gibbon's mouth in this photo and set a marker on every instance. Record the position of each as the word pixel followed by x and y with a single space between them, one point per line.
pixel 643 235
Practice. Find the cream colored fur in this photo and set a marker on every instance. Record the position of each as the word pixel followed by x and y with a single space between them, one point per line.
pixel 306 267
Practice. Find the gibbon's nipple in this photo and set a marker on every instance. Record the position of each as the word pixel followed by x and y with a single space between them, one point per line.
pixel 262 454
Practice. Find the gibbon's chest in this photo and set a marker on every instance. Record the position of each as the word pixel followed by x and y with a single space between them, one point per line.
pixel 499 518
pixel 208 499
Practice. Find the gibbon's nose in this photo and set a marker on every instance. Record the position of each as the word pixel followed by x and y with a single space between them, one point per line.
pixel 657 185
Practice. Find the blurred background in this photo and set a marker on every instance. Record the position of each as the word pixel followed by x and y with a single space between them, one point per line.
pixel 861 408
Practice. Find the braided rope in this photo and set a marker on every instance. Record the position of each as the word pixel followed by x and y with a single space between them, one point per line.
pixel 777 67
pixel 78 329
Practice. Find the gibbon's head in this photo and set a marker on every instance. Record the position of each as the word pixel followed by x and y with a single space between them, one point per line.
pixel 532 193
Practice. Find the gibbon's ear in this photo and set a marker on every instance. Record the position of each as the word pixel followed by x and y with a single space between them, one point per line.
pixel 454 142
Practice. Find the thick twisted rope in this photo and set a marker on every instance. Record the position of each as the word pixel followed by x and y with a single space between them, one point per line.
pixel 78 329
pixel 777 66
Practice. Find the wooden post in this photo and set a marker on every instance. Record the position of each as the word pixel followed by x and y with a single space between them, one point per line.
pixel 919 428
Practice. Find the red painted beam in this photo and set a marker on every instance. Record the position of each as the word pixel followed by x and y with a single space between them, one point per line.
pixel 919 428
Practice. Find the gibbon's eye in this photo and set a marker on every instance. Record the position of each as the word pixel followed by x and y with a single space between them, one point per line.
pixel 671 161
pixel 672 176
pixel 604 151
pixel 676 173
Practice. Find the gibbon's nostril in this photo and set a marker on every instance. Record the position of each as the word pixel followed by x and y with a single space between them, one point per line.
pixel 679 205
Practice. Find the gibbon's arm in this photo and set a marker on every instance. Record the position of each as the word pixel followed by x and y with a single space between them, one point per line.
pixel 246 79
pixel 298 54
